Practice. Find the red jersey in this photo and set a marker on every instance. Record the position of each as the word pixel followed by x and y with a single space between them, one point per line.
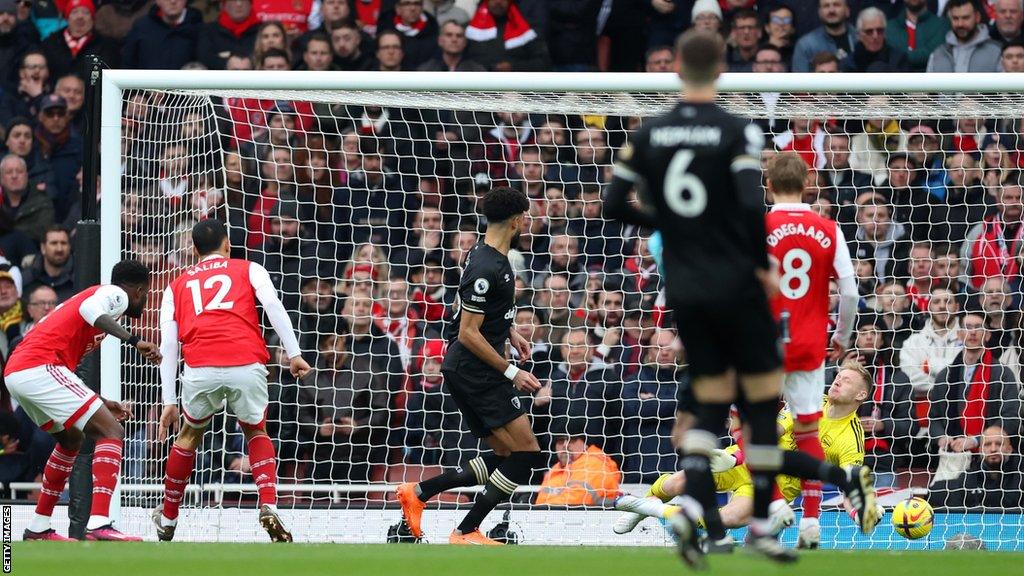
pixel 64 336
pixel 810 250
pixel 292 14
pixel 214 306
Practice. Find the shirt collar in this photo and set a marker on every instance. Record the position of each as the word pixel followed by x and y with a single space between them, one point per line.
pixel 790 206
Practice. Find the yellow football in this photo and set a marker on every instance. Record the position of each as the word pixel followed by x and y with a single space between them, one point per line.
pixel 913 518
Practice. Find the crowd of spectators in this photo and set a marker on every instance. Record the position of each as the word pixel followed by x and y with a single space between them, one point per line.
pixel 364 215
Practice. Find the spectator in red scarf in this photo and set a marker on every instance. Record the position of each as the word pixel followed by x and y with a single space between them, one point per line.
pixel 994 244
pixel 234 32
pixel 919 287
pixel 417 29
pixel 503 40
pixel 972 393
pixel 400 321
pixel 66 49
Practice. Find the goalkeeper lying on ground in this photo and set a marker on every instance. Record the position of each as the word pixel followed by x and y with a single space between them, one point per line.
pixel 841 435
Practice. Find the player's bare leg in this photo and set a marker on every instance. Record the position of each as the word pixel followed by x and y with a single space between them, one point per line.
pixel 263 462
pixel 55 477
pixel 180 463
pixel 413 496
pixel 523 456
pixel 105 428
pixel 805 433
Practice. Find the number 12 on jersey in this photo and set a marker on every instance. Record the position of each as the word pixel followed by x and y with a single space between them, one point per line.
pixel 220 282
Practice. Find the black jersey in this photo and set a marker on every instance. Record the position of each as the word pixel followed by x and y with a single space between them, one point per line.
pixel 487 287
pixel 697 174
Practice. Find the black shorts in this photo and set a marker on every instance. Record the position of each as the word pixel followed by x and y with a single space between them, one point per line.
pixel 730 335
pixel 486 402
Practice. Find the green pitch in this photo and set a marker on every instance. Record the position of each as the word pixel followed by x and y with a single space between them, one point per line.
pixel 144 559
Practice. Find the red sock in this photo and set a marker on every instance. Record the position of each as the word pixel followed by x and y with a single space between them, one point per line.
pixel 264 468
pixel 55 476
pixel 106 465
pixel 808 443
pixel 179 469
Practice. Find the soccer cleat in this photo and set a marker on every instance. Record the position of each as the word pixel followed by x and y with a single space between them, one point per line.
pixel 860 490
pixel 687 541
pixel 50 535
pixel 109 534
pixel 163 533
pixel 724 546
pixel 810 534
pixel 770 548
pixel 627 522
pixel 636 509
pixel 474 538
pixel 781 516
pixel 412 507
pixel 271 522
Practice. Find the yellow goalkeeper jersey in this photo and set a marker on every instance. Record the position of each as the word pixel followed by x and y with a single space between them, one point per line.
pixel 841 438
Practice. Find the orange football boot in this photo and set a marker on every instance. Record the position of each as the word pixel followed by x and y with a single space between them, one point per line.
pixel 412 507
pixel 474 538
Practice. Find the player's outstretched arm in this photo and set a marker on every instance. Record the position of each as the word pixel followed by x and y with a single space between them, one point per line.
pixel 278 317
pixel 168 366
pixel 100 309
pixel 848 297
pixel 474 341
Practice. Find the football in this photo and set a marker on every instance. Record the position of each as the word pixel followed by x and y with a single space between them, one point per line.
pixel 913 518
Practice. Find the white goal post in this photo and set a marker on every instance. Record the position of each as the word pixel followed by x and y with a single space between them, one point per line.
pixel 940 100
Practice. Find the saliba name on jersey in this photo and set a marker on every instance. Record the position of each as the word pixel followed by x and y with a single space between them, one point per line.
pixel 218 264
pixel 790 229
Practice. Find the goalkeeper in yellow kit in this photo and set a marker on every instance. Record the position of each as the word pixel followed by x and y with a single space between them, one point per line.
pixel 841 435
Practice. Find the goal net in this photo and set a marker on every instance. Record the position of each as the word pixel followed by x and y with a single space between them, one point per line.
pixel 359 195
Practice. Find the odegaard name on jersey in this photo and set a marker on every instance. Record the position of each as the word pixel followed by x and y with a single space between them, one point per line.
pixel 790 229
pixel 670 136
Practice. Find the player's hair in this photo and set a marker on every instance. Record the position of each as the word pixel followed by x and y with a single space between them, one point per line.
pixel 129 273
pixel 208 235
pixel 701 55
pixel 787 173
pixel 865 376
pixel 502 203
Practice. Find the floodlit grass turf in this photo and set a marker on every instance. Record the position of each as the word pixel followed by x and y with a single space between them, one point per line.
pixel 172 559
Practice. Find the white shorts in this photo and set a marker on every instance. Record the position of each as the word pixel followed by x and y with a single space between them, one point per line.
pixel 804 391
pixel 204 391
pixel 53 397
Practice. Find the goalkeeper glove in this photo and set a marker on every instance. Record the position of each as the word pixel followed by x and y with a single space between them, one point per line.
pixel 721 461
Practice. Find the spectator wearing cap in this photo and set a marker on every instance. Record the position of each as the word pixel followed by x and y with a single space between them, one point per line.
pixel 992 246
pixel 11 311
pixel 835 35
pixel 744 36
pixel 234 32
pixel 22 208
pixel 973 392
pixel 67 49
pixel 925 147
pixel 706 15
pixel 501 38
pixel 583 475
pixel 585 387
pixel 1008 19
pixel 917 32
pixel 872 53
pixel 964 202
pixel 968 46
pixel 54 266
pixel 932 348
pixel 417 28
pixel 164 39
pixel 649 409
pixel 993 479
pixel 1012 56
pixel 452 42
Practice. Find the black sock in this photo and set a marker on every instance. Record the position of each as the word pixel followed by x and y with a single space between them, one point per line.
pixel 808 467
pixel 761 417
pixel 713 521
pixel 515 470
pixel 474 473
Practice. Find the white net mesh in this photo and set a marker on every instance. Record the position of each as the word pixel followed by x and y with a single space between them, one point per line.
pixel 361 204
